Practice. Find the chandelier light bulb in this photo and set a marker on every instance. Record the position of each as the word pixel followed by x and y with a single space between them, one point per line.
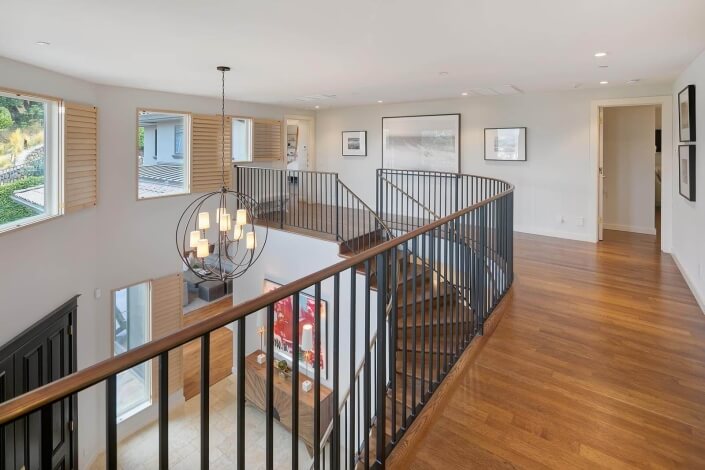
pixel 193 239
pixel 219 212
pixel 237 232
pixel 202 248
pixel 224 222
pixel 241 217
pixel 204 221
pixel 251 242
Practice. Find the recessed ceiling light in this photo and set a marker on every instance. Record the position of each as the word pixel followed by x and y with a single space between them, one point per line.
pixel 604 82
pixel 380 101
pixel 442 74
pixel 42 43
pixel 465 93
pixel 603 66
pixel 317 107
pixel 600 54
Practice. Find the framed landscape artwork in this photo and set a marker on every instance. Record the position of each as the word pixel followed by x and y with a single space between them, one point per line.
pixel 430 143
pixel 283 330
pixel 686 171
pixel 354 143
pixel 686 114
pixel 506 144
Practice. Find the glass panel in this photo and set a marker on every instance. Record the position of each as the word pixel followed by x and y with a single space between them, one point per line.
pixel 131 327
pixel 242 129
pixel 25 189
pixel 162 154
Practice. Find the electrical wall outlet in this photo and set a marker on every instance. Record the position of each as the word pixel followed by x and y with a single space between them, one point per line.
pixel 580 221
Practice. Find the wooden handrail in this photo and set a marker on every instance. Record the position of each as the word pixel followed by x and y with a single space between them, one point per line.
pixel 81 380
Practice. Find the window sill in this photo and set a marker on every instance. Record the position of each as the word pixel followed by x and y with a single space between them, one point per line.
pixel 27 222
pixel 134 411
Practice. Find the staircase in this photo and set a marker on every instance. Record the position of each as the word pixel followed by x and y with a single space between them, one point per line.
pixel 422 306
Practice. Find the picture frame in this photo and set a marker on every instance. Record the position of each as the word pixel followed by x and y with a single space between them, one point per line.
pixel 505 144
pixel 428 142
pixel 354 143
pixel 686 171
pixel 686 114
pixel 283 333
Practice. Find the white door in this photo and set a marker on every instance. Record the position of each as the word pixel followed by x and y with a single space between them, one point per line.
pixel 601 178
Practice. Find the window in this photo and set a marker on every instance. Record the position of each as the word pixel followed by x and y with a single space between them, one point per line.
pixel 162 154
pixel 131 313
pixel 242 140
pixel 29 160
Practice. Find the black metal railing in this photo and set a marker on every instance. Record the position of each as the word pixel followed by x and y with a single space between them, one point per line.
pixel 402 310
pixel 312 201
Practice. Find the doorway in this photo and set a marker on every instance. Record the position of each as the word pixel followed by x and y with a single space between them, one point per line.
pixel 299 139
pixel 633 181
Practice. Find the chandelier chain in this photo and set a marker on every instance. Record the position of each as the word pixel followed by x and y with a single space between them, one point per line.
pixel 222 133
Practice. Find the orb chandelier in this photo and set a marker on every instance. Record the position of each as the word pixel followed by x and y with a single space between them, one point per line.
pixel 216 237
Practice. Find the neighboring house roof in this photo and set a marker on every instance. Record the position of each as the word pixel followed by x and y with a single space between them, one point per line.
pixel 32 197
pixel 162 174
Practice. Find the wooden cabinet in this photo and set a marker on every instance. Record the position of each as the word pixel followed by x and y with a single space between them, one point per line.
pixel 256 394
pixel 43 353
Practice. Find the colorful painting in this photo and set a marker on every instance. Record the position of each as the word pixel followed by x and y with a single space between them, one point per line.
pixel 284 333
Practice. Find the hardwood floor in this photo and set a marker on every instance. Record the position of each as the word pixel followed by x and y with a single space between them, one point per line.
pixel 598 362
pixel 221 360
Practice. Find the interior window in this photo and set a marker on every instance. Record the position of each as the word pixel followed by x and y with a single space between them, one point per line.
pixel 131 328
pixel 29 160
pixel 162 154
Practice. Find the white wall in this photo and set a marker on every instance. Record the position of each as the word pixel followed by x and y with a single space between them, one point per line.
pixel 689 217
pixel 288 257
pixel 119 243
pixel 556 182
pixel 629 163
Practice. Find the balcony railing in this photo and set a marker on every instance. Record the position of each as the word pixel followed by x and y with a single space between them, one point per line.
pixel 404 305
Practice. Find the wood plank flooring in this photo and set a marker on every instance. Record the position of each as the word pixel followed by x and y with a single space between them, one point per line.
pixel 598 362
pixel 221 360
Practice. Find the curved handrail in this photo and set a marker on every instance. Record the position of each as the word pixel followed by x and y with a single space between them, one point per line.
pixel 85 378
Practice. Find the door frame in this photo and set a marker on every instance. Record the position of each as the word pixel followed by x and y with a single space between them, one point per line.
pixel 667 160
pixel 311 161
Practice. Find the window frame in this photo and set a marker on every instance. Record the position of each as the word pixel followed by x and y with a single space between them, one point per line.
pixel 148 364
pixel 54 159
pixel 187 115
pixel 250 130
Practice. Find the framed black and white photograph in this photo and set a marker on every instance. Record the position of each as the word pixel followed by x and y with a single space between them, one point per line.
pixel 354 143
pixel 505 144
pixel 686 171
pixel 430 142
pixel 686 114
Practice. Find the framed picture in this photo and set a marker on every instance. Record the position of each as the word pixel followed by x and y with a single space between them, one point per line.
pixel 430 143
pixel 354 143
pixel 505 144
pixel 283 330
pixel 686 114
pixel 686 171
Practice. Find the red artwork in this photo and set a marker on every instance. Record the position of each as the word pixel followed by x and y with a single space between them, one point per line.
pixel 283 326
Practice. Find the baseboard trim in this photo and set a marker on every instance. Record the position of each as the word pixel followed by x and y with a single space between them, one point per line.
pixel 699 298
pixel 631 228
pixel 581 237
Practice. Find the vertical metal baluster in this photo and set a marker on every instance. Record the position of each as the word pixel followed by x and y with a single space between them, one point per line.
pixel 431 255
pixel 353 361
pixel 164 410
pixel 296 348
pixel 414 251
pixel 335 444
pixel 439 295
pixel 405 299
pixel 317 378
pixel 205 399
pixel 270 388
pixel 423 320
pixel 368 367
pixel 241 330
pixel 111 423
pixel 393 341
pixel 451 279
pixel 381 359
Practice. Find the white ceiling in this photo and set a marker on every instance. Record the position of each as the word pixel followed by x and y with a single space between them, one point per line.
pixel 360 51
